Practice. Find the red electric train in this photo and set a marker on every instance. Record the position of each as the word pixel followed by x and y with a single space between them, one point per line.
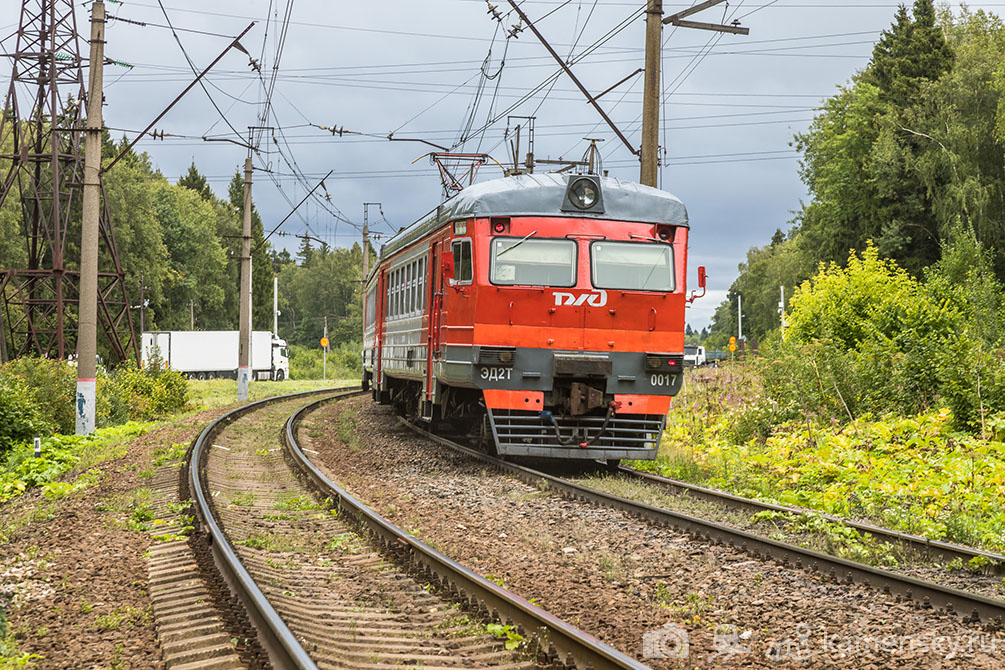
pixel 540 315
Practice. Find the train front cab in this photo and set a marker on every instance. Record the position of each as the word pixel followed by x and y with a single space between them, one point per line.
pixel 570 331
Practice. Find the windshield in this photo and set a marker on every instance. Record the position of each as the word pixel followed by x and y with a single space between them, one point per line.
pixel 533 261
pixel 637 266
pixel 690 351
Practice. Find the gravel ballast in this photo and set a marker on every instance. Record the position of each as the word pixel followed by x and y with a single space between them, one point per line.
pixel 640 588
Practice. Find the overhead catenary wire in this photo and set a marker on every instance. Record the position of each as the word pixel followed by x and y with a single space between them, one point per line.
pixel 195 71
pixel 558 73
pixel 281 148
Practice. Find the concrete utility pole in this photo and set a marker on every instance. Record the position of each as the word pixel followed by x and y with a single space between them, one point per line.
pixel 651 95
pixel 649 151
pixel 781 309
pixel 739 319
pixel 191 314
pixel 87 333
pixel 324 355
pixel 244 343
pixel 275 306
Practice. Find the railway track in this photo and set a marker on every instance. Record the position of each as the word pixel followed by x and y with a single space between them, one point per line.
pixel 970 606
pixel 334 584
pixel 935 549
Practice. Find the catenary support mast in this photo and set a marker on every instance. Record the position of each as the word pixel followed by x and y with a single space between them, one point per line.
pixel 87 328
pixel 244 346
pixel 649 173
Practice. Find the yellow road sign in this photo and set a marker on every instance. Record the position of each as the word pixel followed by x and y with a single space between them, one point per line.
pixel 732 346
pixel 732 340
pixel 324 342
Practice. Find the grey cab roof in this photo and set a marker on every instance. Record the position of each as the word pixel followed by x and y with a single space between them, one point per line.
pixel 543 195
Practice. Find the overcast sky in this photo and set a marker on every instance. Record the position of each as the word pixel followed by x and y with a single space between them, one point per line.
pixel 732 103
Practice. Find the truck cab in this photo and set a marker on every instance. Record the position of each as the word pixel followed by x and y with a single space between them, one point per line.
pixel 280 359
pixel 694 356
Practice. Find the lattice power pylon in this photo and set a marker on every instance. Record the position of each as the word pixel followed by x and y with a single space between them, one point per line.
pixel 41 155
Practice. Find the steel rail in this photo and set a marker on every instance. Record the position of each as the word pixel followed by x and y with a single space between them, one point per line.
pixel 947 550
pixel 563 639
pixel 971 606
pixel 278 640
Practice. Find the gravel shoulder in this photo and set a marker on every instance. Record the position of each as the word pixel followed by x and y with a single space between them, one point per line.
pixel 625 581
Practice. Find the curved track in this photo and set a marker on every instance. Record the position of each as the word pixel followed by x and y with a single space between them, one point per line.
pixel 937 549
pixel 558 642
pixel 564 641
pixel 973 607
pixel 282 645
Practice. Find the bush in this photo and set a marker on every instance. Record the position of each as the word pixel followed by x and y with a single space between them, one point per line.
pixel 972 367
pixel 869 338
pixel 53 385
pixel 127 393
pixel 872 299
pixel 148 393
pixel 21 418
pixel 344 362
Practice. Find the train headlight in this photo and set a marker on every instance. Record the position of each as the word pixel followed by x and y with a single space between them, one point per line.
pixel 583 193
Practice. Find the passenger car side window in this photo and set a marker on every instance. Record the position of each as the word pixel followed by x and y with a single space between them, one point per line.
pixel 463 271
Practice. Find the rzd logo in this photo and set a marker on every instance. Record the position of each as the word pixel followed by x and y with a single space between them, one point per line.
pixel 596 299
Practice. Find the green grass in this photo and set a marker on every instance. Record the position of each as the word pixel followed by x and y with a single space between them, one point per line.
pixel 347 430
pixel 22 471
pixel 293 502
pixel 122 617
pixel 344 362
pixel 217 393
pixel 914 474
pixel 279 542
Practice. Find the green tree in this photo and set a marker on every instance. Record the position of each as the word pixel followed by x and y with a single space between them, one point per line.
pixel 862 154
pixel 912 52
pixel 782 263
pixel 129 194
pixel 194 180
pixel 13 250
pixel 197 260
pixel 327 284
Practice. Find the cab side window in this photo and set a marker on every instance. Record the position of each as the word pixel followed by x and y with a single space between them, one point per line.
pixel 463 272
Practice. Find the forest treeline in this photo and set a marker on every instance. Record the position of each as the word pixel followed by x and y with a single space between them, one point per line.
pixel 908 156
pixel 181 242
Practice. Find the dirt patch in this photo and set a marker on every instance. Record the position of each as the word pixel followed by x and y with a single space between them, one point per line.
pixel 73 577
pixel 635 586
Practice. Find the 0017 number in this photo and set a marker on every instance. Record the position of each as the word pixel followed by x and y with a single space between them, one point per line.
pixel 497 374
pixel 661 380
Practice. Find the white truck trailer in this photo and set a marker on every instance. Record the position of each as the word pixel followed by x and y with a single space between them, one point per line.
pixel 211 354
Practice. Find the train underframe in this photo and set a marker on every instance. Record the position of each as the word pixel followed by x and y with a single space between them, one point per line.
pixel 576 420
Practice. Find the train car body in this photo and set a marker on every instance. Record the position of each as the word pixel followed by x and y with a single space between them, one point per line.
pixel 542 314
